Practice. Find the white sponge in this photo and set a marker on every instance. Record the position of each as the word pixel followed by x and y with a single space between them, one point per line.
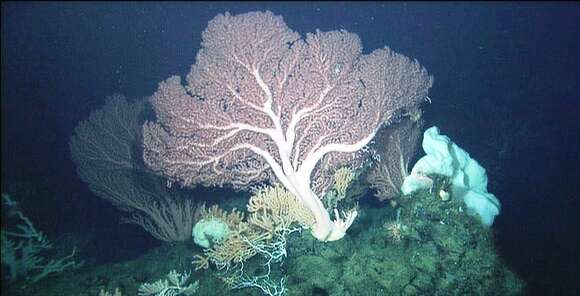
pixel 468 177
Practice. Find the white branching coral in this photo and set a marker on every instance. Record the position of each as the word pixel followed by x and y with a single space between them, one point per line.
pixel 172 286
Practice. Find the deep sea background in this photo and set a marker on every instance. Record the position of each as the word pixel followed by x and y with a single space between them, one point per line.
pixel 507 90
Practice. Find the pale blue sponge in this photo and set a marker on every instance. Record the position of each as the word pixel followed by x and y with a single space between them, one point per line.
pixel 207 232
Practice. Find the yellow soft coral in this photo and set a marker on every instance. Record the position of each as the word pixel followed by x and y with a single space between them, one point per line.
pixel 342 179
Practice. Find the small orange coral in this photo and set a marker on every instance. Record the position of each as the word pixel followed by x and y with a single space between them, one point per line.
pixel 395 231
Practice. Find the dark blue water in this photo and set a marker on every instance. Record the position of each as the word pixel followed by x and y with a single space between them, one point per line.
pixel 507 88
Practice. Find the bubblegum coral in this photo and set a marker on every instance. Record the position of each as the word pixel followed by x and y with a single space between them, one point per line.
pixel 262 104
